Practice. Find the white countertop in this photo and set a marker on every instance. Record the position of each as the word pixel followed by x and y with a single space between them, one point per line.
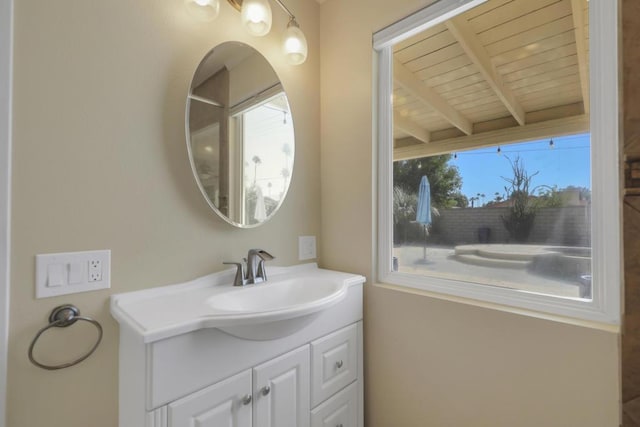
pixel 163 312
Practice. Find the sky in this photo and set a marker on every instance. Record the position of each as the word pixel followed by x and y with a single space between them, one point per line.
pixel 567 163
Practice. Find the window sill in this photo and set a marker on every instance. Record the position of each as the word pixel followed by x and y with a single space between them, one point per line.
pixel 414 290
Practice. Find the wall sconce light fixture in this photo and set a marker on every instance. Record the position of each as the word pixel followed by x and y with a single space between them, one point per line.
pixel 256 17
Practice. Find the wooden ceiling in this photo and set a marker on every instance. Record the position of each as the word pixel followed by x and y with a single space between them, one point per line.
pixel 505 71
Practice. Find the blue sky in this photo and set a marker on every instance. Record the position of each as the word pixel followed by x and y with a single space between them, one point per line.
pixel 567 163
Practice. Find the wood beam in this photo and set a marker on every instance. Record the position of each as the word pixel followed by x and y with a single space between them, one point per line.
pixel 468 40
pixel 412 128
pixel 577 11
pixel 405 78
pixel 543 130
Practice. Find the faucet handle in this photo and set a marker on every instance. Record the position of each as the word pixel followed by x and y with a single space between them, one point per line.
pixel 239 280
pixel 262 272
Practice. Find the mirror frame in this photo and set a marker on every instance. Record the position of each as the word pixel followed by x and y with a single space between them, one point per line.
pixel 190 96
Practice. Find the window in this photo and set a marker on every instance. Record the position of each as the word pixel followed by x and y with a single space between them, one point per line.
pixel 487 127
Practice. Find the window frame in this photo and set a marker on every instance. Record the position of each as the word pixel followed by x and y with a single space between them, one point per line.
pixel 606 176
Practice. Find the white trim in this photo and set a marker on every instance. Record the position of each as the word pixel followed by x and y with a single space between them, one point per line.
pixel 606 327
pixel 425 18
pixel 385 166
pixel 6 74
pixel 606 175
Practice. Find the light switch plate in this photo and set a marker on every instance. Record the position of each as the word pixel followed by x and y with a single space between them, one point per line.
pixel 70 272
pixel 306 247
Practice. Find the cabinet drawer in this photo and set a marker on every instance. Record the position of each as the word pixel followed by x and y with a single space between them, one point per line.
pixel 339 411
pixel 334 361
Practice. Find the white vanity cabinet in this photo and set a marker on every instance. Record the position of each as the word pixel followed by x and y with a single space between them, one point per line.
pixel 280 392
pixel 179 368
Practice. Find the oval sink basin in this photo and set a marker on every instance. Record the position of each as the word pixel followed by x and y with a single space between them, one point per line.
pixel 274 309
pixel 285 295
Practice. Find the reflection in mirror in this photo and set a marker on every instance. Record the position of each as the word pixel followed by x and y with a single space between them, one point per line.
pixel 240 134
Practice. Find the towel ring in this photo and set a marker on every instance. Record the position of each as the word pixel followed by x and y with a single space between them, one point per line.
pixel 61 317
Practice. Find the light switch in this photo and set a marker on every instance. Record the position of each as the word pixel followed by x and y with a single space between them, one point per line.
pixel 75 273
pixel 306 247
pixel 68 272
pixel 55 275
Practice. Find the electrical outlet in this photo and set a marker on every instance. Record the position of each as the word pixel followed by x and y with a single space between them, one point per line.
pixel 95 270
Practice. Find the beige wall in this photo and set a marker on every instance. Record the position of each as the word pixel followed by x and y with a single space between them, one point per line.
pixel 100 163
pixel 430 362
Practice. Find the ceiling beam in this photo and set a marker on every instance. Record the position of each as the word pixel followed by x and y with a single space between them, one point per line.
pixel 577 11
pixel 412 128
pixel 543 130
pixel 468 40
pixel 412 84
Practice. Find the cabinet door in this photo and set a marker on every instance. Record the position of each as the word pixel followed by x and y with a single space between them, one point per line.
pixel 281 391
pixel 340 410
pixel 227 403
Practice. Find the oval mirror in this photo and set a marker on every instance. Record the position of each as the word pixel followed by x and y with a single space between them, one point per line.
pixel 240 134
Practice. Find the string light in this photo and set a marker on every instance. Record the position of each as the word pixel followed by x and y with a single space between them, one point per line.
pixel 537 150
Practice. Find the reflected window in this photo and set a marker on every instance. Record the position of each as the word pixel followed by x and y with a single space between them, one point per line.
pixel 266 148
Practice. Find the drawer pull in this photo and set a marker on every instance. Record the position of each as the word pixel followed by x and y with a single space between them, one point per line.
pixel 246 399
pixel 339 364
pixel 339 425
pixel 265 390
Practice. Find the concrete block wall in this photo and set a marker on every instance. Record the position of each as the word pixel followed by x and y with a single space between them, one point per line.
pixel 566 226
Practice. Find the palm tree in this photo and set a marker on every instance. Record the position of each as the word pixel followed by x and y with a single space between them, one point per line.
pixel 285 176
pixel 404 211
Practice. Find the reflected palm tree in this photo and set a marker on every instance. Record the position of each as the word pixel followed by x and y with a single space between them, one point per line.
pixel 256 161
pixel 286 149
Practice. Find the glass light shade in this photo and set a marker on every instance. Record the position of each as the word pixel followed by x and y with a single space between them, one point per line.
pixel 256 16
pixel 294 44
pixel 203 10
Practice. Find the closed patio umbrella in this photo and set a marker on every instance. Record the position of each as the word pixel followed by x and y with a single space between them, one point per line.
pixel 423 210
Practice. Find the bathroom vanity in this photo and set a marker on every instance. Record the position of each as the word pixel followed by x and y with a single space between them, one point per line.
pixel 284 353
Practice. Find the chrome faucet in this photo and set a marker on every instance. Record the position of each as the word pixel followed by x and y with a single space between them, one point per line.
pixel 255 272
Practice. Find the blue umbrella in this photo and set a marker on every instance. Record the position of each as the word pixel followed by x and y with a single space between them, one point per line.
pixel 423 211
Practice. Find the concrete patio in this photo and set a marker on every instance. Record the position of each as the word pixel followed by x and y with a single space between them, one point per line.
pixel 504 265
